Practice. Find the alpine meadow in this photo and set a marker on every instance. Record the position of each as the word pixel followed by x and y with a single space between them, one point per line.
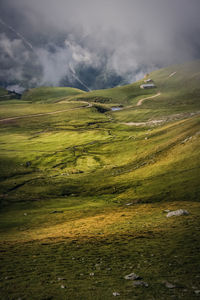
pixel 88 182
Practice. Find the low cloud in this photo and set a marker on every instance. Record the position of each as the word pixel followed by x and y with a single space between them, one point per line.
pixel 18 64
pixel 99 43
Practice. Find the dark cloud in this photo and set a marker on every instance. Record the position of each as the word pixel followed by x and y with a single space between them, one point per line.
pixel 99 43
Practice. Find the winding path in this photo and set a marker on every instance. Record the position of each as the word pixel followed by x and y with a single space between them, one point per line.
pixel 143 99
pixel 47 113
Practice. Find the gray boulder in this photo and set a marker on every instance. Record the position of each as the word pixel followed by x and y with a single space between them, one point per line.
pixel 140 283
pixel 169 285
pixel 179 212
pixel 132 276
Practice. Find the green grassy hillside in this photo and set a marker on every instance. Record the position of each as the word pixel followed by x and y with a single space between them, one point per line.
pixel 50 93
pixel 84 190
pixel 179 92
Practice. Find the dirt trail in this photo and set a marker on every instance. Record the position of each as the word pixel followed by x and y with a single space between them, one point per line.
pixel 47 113
pixel 153 122
pixel 172 74
pixel 143 99
pixel 174 117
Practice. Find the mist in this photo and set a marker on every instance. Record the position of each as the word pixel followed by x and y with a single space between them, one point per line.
pixel 94 44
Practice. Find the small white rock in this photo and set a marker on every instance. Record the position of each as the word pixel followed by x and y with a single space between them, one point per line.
pixel 116 294
pixel 60 278
pixel 169 285
pixel 62 286
pixel 91 274
pixel 132 276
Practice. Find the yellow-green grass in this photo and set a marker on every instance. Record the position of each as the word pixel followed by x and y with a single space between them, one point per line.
pixel 109 152
pixel 50 94
pixel 19 108
pixel 66 180
pixel 110 242
pixel 124 95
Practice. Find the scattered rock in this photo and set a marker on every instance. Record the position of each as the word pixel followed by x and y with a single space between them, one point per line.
pixel 179 212
pixel 166 210
pixel 186 140
pixel 132 276
pixel 91 274
pixel 197 292
pixel 63 286
pixel 116 294
pixel 140 283
pixel 60 278
pixel 128 204
pixel 169 285
pixel 25 214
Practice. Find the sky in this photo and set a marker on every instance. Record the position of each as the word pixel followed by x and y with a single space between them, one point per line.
pixel 92 44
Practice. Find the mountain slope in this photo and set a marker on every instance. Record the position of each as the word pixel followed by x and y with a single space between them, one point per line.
pixel 50 93
pixel 179 86
pixel 84 191
pixel 94 143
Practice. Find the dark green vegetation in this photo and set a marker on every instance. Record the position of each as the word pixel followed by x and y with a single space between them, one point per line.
pixel 7 95
pixel 68 174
